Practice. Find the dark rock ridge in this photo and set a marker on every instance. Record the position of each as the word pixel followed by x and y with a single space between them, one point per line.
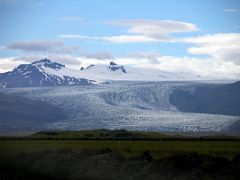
pixel 91 65
pixel 114 67
pixel 112 63
pixel 36 75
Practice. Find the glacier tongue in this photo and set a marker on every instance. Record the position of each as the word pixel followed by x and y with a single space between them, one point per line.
pixel 128 105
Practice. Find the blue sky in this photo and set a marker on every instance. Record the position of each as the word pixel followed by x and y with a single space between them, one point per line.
pixel 103 28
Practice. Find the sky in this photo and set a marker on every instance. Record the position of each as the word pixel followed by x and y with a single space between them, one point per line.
pixel 200 37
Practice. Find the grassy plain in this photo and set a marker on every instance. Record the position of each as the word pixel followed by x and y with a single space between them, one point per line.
pixel 119 154
pixel 127 143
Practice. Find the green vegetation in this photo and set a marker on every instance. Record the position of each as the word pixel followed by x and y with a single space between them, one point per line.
pixel 157 149
pixel 104 134
pixel 101 134
pixel 127 143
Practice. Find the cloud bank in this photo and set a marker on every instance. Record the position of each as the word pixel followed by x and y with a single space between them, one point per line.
pixel 230 10
pixel 221 46
pixel 42 46
pixel 221 50
pixel 141 30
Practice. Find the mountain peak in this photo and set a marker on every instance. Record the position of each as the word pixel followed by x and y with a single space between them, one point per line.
pixel 113 63
pixel 41 73
pixel 42 61
pixel 48 63
pixel 46 60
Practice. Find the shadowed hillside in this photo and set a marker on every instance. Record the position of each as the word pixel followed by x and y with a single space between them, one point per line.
pixel 21 113
pixel 221 99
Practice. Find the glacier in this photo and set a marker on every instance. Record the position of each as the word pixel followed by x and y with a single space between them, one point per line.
pixel 130 105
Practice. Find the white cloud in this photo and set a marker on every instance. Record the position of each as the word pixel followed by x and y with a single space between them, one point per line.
pixel 74 62
pixel 230 10
pixel 159 29
pixel 129 39
pixel 223 61
pixel 113 39
pixel 8 64
pixel 2 48
pixel 204 67
pixel 102 55
pixel 77 36
pixel 61 58
pixel 221 46
pixel 208 68
pixel 150 56
pixel 55 46
pixel 35 45
pixel 142 30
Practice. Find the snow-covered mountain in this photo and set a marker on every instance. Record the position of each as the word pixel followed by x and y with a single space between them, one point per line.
pixel 115 72
pixel 48 73
pixel 40 73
